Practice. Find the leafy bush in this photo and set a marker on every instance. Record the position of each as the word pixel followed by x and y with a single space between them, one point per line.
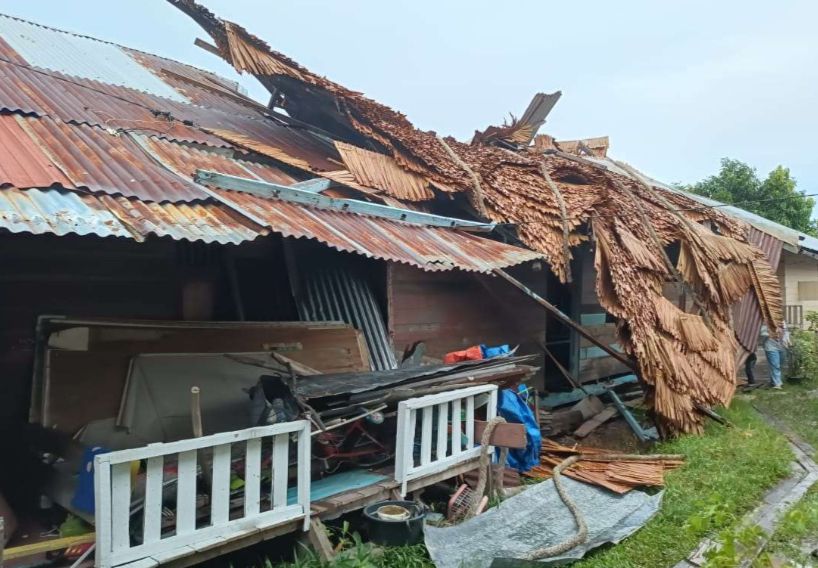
pixel 803 354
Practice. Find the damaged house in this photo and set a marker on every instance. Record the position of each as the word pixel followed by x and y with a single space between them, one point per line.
pixel 175 253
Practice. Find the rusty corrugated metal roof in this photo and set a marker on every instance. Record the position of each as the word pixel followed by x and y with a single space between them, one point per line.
pixel 188 159
pixel 62 212
pixel 427 248
pixel 81 56
pixel 746 313
pixel 22 162
pixel 78 133
pixel 94 158
pixel 58 212
pixel 206 222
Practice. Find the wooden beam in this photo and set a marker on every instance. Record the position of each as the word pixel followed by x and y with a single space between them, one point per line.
pixel 315 185
pixel 556 312
pixel 207 46
pixel 296 195
pixel 47 546
pixel 508 435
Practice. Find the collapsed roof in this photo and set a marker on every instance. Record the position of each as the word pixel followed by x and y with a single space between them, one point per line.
pixel 104 140
pixel 557 197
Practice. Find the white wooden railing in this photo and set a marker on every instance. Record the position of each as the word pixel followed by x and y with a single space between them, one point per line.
pixel 444 448
pixel 194 529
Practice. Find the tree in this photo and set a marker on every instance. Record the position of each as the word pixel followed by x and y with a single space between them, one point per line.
pixel 775 198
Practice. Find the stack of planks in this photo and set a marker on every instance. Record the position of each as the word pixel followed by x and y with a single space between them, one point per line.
pixel 600 467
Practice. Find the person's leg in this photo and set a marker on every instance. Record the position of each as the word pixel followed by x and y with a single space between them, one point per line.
pixel 749 368
pixel 774 359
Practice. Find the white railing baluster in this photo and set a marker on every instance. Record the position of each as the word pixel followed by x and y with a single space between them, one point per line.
pixel 120 505
pixel 112 490
pixel 457 431
pixel 442 430
pixel 281 467
pixel 252 477
pixel 220 490
pixel 304 472
pixel 152 514
pixel 426 436
pixel 102 511
pixel 470 442
pixel 406 467
pixel 186 493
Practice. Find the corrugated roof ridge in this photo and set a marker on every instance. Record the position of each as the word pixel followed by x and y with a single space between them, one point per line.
pixel 119 45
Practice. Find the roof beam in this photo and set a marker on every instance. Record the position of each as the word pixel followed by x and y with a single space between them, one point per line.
pixel 314 185
pixel 305 197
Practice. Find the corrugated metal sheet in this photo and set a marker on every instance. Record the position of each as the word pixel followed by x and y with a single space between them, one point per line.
pixel 207 222
pixel 187 159
pixel 286 145
pixel 62 212
pixel 340 294
pixel 103 162
pixel 57 212
pixel 80 56
pixel 22 162
pixel 371 169
pixel 427 248
pixel 746 313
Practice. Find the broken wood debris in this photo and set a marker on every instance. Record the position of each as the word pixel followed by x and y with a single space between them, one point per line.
pixel 598 466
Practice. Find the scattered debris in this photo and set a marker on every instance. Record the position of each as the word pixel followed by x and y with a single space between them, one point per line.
pixel 617 473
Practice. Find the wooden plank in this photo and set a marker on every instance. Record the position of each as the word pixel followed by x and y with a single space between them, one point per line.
pixel 186 493
pixel 593 423
pixel 470 441
pixel 457 432
pixel 319 540
pixel 605 333
pixel 203 442
pixel 152 513
pixel 557 313
pixel 442 430
pixel 426 436
pixel 593 369
pixel 252 478
pixel 120 506
pixel 102 510
pixel 304 471
pixel 280 464
pixel 220 488
pixel 508 435
pixel 45 546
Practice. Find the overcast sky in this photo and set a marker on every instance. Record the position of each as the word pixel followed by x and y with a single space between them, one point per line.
pixel 676 85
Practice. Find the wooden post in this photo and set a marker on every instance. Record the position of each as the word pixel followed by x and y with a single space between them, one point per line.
pixel 556 312
pixel 198 432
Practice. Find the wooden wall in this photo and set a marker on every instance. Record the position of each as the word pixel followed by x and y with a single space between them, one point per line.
pixel 453 310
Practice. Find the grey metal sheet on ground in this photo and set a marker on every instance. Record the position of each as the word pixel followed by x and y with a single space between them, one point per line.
pixel 537 518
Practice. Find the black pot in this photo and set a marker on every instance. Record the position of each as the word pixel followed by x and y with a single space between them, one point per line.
pixel 395 533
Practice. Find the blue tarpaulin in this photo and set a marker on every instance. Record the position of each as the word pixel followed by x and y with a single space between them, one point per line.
pixel 513 408
pixel 490 352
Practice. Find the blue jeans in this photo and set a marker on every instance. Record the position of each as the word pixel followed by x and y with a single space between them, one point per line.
pixel 774 359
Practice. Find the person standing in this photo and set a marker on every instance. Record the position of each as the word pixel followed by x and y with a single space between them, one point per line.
pixel 772 349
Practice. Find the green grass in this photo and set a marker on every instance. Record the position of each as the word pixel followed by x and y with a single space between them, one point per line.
pixel 796 406
pixel 726 473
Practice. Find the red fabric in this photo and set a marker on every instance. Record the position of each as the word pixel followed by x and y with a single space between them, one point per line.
pixel 470 354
